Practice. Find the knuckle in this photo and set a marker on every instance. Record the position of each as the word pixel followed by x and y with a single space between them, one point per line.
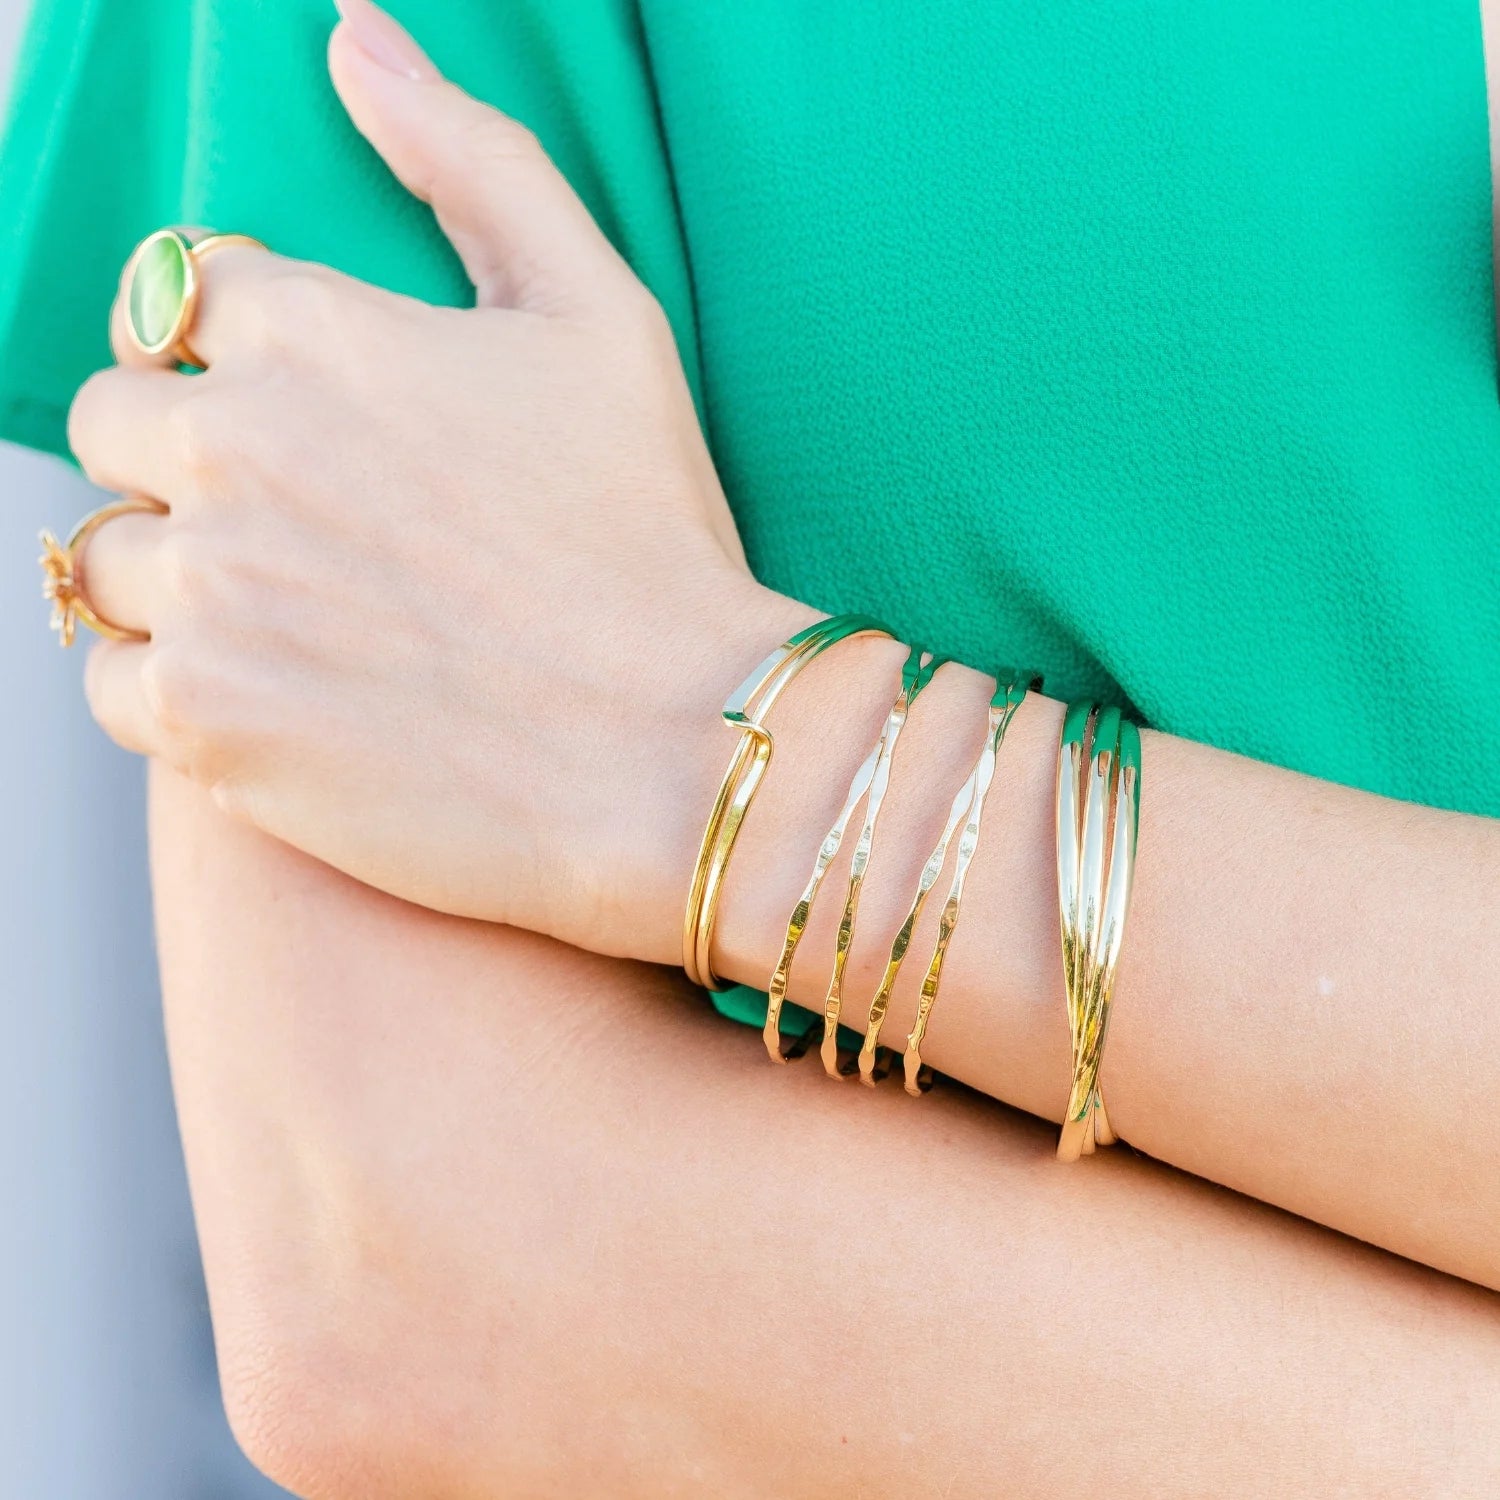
pixel 183 689
pixel 186 566
pixel 297 307
pixel 96 679
pixel 487 142
pixel 647 319
pixel 500 138
pixel 312 319
pixel 199 435
pixel 640 341
pixel 170 689
pixel 83 419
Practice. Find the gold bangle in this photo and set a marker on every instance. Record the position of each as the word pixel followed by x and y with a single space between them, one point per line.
pixel 870 1047
pixel 1098 820
pixel 797 923
pixel 870 781
pixel 957 813
pixel 745 711
pixel 1009 695
pixel 1082 811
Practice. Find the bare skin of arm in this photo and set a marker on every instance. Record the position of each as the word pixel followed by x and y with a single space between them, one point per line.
pixel 485 1215
pixel 1305 995
pixel 1305 1006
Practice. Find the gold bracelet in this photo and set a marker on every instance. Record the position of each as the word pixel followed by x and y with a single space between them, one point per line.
pixel 957 813
pixel 870 1047
pixel 1009 695
pixel 921 667
pixel 827 853
pixel 1083 807
pixel 745 711
pixel 1098 820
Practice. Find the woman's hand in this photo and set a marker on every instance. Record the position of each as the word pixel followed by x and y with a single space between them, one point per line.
pixel 444 596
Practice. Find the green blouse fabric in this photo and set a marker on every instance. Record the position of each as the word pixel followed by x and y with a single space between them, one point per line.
pixel 1146 344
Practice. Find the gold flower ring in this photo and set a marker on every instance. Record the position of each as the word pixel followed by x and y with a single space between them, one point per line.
pixel 62 572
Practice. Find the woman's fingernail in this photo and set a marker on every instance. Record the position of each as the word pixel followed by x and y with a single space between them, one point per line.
pixel 384 40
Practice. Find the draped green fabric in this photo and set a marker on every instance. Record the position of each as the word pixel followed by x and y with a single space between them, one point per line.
pixel 1144 343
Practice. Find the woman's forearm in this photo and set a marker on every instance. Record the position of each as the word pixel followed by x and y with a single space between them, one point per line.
pixel 1306 995
pixel 483 1215
pixel 1300 1009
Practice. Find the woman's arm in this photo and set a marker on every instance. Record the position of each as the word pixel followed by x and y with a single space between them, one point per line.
pixel 1306 1007
pixel 482 1215
pixel 449 599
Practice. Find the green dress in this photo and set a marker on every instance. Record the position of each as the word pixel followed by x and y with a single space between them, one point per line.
pixel 1145 343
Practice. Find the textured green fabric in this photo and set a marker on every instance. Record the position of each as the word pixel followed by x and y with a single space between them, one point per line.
pixel 1145 343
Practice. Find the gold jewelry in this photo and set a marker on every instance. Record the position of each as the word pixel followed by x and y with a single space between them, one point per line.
pixel 62 572
pixel 162 289
pixel 921 666
pixel 745 711
pixel 1098 820
pixel 913 679
pixel 930 872
pixel 797 925
pixel 1010 693
pixel 1083 807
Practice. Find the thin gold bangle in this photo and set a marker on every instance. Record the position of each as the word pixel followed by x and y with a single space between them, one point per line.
pixel 1082 812
pixel 1098 821
pixel 870 1047
pixel 745 711
pixel 797 923
pixel 870 781
pixel 1009 695
pixel 957 814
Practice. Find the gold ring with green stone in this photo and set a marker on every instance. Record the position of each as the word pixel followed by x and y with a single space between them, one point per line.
pixel 162 287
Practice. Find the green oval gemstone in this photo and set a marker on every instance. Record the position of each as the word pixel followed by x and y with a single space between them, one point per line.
pixel 158 288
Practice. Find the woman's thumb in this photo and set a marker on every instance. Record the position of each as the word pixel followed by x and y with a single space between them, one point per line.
pixel 525 238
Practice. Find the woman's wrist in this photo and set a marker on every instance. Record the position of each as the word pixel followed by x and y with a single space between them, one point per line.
pixel 829 722
pixel 822 728
pixel 663 825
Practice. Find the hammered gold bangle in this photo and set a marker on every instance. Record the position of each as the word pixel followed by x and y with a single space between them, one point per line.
pixel 870 1047
pixel 921 667
pixel 828 850
pixel 1098 820
pixel 1010 693
pixel 745 712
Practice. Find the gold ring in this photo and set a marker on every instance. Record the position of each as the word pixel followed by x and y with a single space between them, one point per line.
pixel 62 570
pixel 162 288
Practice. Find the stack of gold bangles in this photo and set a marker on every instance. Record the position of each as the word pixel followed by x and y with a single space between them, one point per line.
pixel 1097 814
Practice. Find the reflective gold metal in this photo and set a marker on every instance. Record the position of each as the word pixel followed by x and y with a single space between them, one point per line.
pixel 174 336
pixel 870 1047
pixel 62 573
pixel 1098 819
pixel 745 712
pixel 1009 695
pixel 797 925
pixel 921 667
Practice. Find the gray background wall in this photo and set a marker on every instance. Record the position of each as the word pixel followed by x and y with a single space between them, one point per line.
pixel 107 1384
